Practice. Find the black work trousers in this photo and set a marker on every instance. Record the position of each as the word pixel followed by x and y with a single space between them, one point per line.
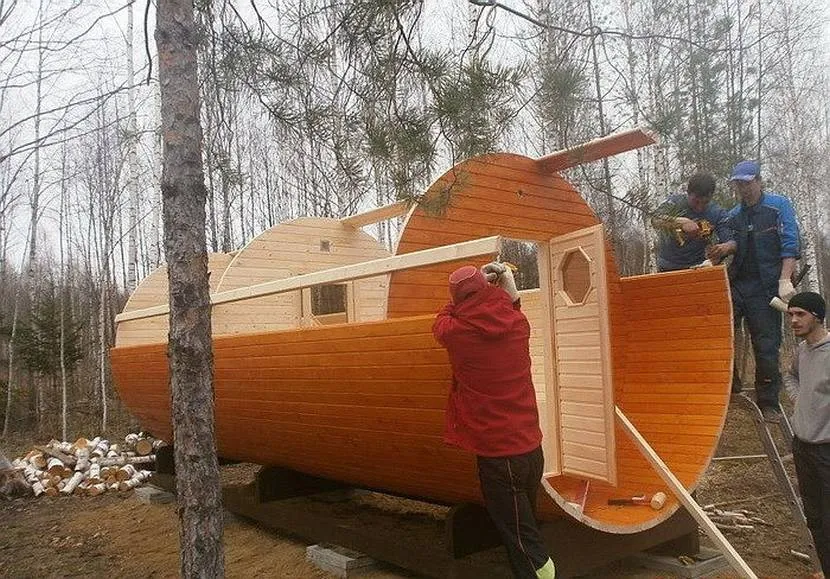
pixel 750 302
pixel 509 485
pixel 812 466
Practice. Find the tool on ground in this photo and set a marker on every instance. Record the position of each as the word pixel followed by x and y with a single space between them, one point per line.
pixel 655 501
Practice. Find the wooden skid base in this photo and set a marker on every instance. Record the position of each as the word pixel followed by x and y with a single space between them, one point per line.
pixel 425 545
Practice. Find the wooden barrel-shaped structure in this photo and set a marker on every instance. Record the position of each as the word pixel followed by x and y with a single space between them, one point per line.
pixel 364 402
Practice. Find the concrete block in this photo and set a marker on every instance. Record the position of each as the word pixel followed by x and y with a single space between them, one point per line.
pixel 148 495
pixel 339 561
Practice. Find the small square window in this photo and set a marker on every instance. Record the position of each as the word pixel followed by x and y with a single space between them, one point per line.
pixel 328 299
pixel 325 245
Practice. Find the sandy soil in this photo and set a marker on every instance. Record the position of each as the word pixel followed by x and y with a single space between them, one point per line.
pixel 118 536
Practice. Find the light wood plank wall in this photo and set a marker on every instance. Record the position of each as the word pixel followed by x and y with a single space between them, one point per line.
pixel 293 248
pixel 152 291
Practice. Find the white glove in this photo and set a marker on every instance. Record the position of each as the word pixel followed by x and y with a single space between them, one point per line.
pixel 493 270
pixel 785 289
pixel 503 277
pixel 704 263
pixel 508 284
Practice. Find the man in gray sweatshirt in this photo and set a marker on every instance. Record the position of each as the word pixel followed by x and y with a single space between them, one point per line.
pixel 809 383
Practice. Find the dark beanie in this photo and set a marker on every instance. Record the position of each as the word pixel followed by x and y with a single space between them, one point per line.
pixel 809 301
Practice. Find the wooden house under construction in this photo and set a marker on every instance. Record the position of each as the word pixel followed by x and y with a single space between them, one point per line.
pixel 325 361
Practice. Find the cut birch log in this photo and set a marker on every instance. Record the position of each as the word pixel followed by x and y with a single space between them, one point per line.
pixel 94 473
pixel 83 459
pixel 96 489
pixel 81 443
pixel 101 449
pixel 131 439
pixel 72 483
pixel 143 447
pixel 54 453
pixel 51 491
pixel 126 472
pixel 135 481
pixel 64 447
pixel 55 466
pixel 37 488
pixel 38 461
pixel 124 459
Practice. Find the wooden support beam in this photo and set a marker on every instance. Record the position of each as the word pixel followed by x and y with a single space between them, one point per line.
pixel 595 150
pixel 685 498
pixel 464 250
pixel 379 214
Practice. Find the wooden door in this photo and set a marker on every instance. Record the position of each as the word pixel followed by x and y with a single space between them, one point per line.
pixel 582 385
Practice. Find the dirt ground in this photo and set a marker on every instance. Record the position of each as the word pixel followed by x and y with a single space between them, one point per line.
pixel 116 535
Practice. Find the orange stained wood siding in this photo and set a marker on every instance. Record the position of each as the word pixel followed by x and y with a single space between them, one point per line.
pixel 362 403
pixel 674 365
pixel 498 194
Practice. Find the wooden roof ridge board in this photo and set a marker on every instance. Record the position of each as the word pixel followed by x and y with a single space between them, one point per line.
pixel 484 246
pixel 378 214
pixel 596 149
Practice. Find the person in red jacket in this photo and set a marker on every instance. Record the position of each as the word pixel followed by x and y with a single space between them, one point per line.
pixel 491 409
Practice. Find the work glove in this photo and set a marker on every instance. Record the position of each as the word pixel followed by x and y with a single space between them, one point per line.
pixel 503 277
pixel 785 289
pixel 493 270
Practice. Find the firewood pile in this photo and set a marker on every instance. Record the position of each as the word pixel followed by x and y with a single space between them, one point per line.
pixel 88 467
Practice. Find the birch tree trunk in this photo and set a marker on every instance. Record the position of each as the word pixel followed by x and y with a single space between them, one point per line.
pixel 64 276
pixel 189 346
pixel 132 162
pixel 606 169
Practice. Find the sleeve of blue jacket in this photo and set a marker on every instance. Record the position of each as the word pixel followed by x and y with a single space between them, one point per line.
pixel 723 229
pixel 787 226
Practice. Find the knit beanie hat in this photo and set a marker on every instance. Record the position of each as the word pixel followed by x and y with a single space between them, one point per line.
pixel 465 281
pixel 809 301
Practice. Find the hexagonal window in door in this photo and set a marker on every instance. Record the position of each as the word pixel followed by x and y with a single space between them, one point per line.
pixel 575 273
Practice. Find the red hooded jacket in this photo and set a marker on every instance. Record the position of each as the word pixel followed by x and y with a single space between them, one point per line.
pixel 492 405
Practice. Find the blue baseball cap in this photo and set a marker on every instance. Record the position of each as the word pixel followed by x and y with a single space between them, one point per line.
pixel 746 171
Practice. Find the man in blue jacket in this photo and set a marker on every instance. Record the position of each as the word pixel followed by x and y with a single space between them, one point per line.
pixel 765 245
pixel 688 223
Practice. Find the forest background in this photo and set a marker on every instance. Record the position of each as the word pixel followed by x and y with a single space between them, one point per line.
pixel 327 108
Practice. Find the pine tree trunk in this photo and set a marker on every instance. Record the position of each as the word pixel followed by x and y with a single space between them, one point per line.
pixel 189 348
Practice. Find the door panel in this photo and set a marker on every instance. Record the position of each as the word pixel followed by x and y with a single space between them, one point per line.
pixel 583 388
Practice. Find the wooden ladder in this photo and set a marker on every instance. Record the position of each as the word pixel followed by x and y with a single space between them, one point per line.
pixel 774 456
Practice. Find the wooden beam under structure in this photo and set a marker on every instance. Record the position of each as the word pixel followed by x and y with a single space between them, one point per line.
pixel 596 149
pixel 684 497
pixel 446 253
pixel 381 213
